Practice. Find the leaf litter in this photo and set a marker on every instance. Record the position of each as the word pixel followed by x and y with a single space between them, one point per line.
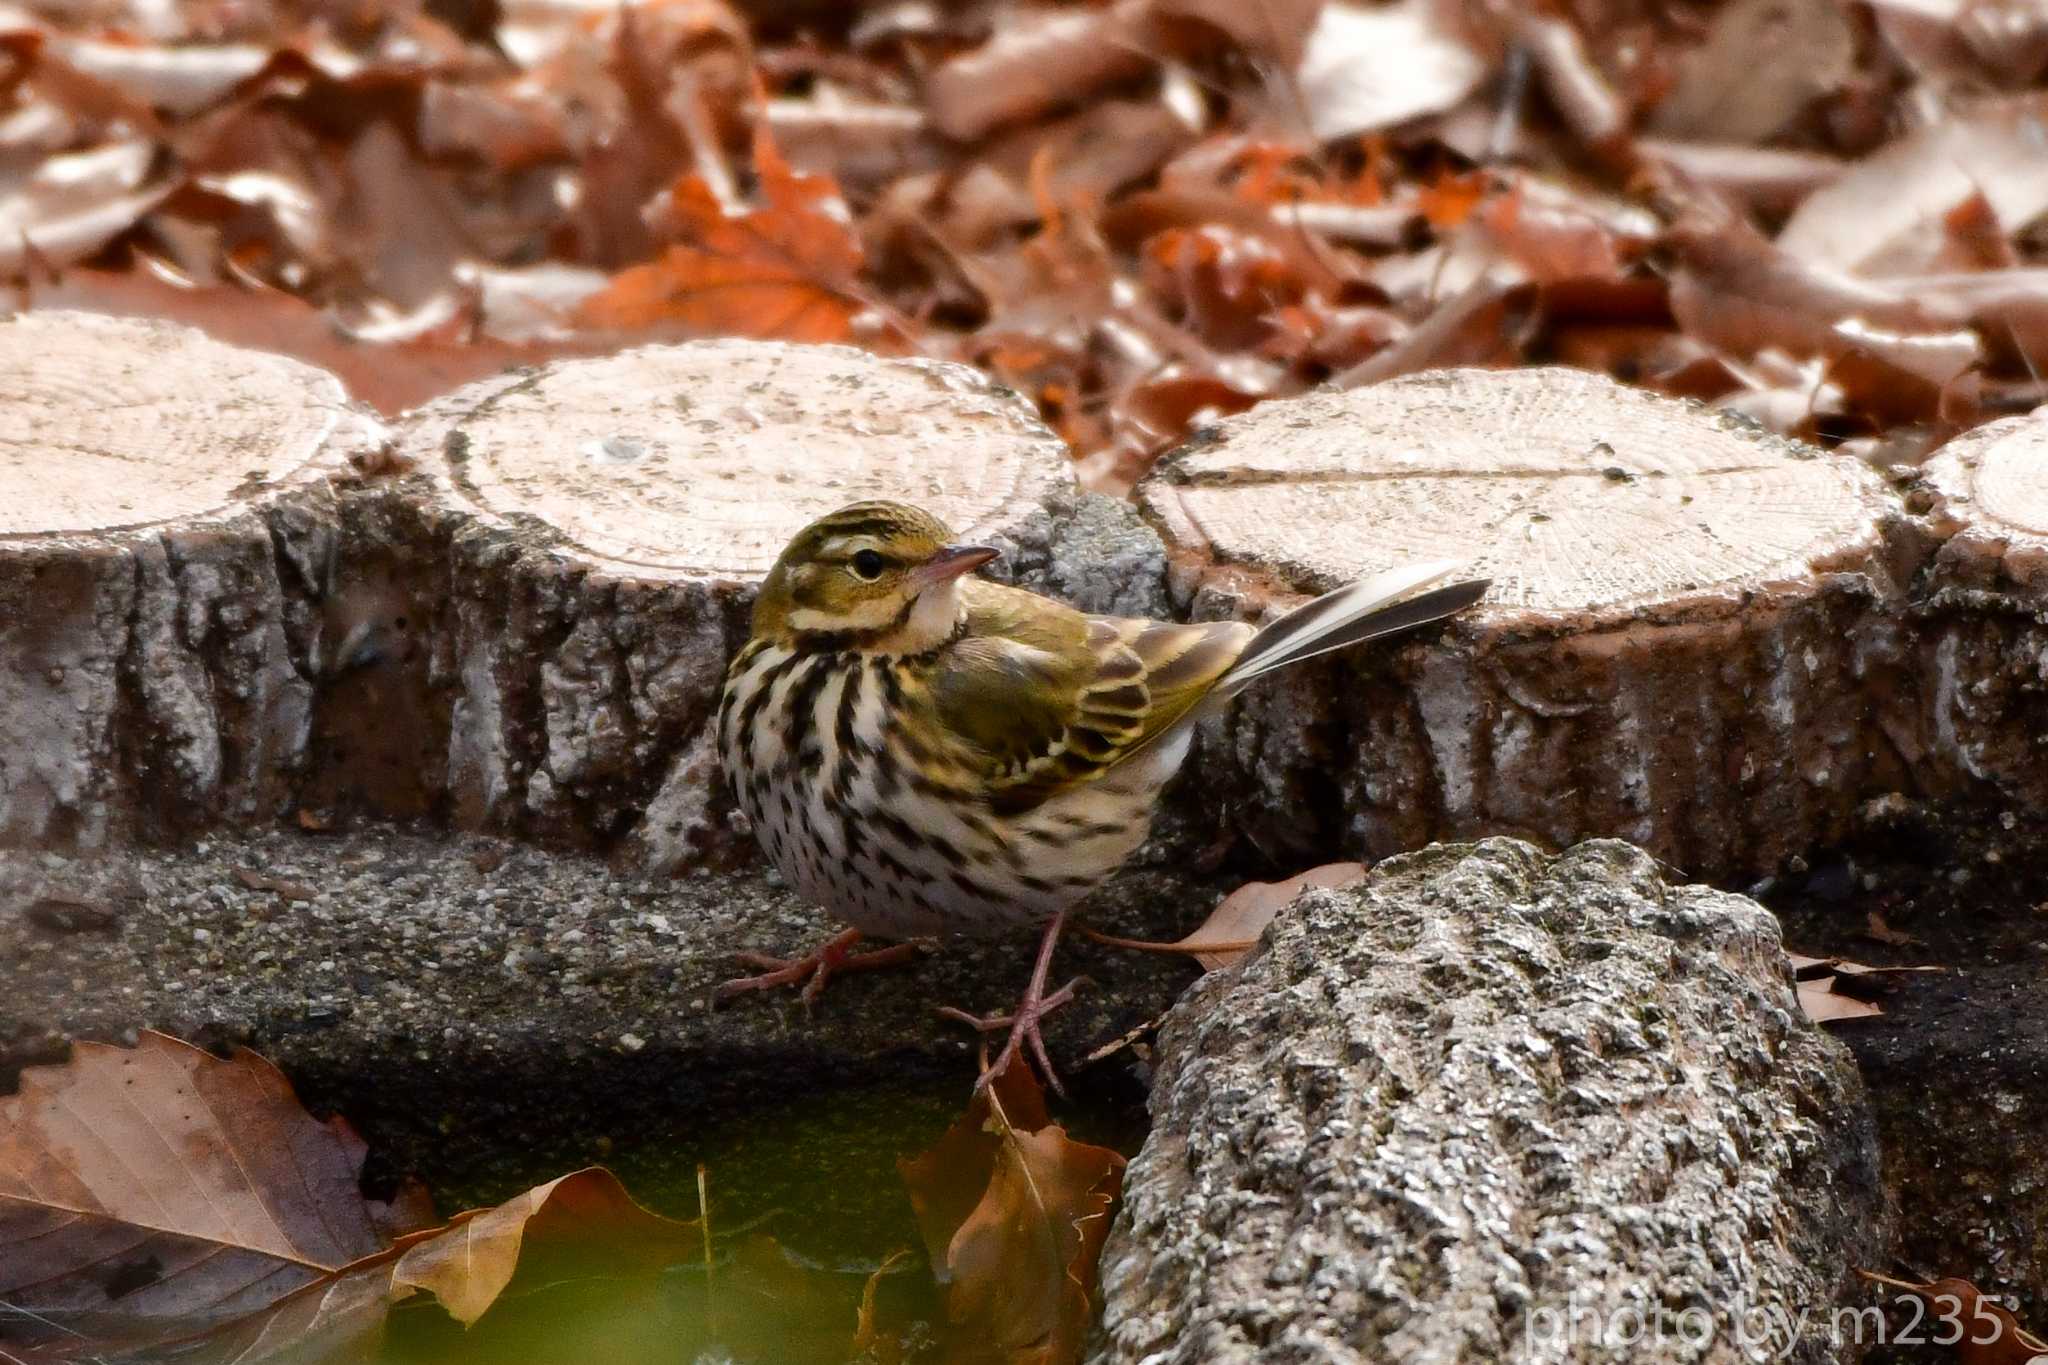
pixel 1143 214
pixel 162 1202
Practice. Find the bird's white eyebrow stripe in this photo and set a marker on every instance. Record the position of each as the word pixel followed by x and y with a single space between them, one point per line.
pixel 843 545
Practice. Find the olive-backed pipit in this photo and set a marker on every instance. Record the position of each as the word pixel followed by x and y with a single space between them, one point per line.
pixel 922 752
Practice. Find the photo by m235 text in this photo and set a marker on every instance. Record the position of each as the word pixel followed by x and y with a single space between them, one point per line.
pixel 1770 1332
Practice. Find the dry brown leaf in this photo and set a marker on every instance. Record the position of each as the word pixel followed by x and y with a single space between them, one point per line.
pixel 577 1224
pixel 160 1185
pixel 1240 917
pixel 1771 179
pixel 1739 294
pixel 1823 1006
pixel 783 271
pixel 1273 30
pixel 1037 62
pixel 1014 1213
pixel 1764 61
pixel 1983 1330
pixel 1884 933
pixel 161 1197
pixel 70 206
pixel 1487 324
pixel 1887 215
pixel 1370 67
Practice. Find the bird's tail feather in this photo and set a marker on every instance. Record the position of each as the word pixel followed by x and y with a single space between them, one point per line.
pixel 1380 605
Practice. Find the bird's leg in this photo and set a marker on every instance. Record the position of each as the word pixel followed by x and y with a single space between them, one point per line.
pixel 832 957
pixel 1024 1020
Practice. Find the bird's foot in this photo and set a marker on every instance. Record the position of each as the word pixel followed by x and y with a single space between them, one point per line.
pixel 814 969
pixel 1023 1026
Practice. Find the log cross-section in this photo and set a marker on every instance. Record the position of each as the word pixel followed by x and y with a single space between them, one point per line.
pixel 607 521
pixel 152 655
pixel 1677 648
pixel 1984 627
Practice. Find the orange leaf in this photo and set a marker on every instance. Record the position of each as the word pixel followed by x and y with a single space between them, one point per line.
pixel 783 271
pixel 1449 200
pixel 1014 1213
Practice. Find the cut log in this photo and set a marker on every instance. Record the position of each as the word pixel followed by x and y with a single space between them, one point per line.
pixel 607 521
pixel 1984 606
pixel 1689 642
pixel 165 507
pixel 1492 1105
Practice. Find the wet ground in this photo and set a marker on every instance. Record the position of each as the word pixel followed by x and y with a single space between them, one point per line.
pixel 1957 1064
pixel 490 1015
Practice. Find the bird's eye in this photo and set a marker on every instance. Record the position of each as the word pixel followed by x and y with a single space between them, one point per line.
pixel 868 564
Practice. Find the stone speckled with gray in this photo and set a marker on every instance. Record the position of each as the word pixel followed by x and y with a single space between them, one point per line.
pixel 483 1010
pixel 1432 1114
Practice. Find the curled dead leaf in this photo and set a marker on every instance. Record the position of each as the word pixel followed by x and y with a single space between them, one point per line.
pixel 160 1197
pixel 1014 1213
pixel 1982 1330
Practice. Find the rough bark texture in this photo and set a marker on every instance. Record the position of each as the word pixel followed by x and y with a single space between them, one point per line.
pixel 1984 607
pixel 1695 639
pixel 160 498
pixel 1430 1116
pixel 605 522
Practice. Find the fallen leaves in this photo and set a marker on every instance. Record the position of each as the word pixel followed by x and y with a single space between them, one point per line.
pixel 1368 67
pixel 1143 214
pixel 160 1185
pixel 784 271
pixel 161 1202
pixel 1014 1213
pixel 1890 214
pixel 1982 1330
pixel 1832 989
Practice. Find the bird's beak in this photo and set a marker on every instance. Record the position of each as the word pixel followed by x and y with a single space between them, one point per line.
pixel 949 563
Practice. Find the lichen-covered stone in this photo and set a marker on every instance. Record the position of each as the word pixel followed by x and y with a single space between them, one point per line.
pixel 1494 1105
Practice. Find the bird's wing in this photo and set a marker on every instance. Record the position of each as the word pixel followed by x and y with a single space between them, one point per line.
pixel 1049 698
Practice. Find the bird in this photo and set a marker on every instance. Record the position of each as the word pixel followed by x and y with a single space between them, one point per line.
pixel 924 752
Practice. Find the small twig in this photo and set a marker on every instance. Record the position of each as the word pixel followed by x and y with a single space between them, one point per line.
pixel 704 1224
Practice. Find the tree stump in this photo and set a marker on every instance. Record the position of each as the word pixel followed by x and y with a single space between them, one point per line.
pixel 1985 606
pixel 607 521
pixel 1680 648
pixel 165 501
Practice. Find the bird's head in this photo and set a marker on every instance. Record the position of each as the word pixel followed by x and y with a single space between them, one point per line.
pixel 876 577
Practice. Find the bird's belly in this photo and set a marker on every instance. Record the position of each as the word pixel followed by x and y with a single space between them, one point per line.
pixel 912 866
pixel 859 828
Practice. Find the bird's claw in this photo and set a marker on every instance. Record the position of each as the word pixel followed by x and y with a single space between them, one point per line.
pixel 1023 1025
pixel 814 969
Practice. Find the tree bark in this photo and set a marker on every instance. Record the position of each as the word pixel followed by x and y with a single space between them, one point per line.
pixel 1493 1105
pixel 1695 638
pixel 606 522
pixel 1984 607
pixel 164 501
